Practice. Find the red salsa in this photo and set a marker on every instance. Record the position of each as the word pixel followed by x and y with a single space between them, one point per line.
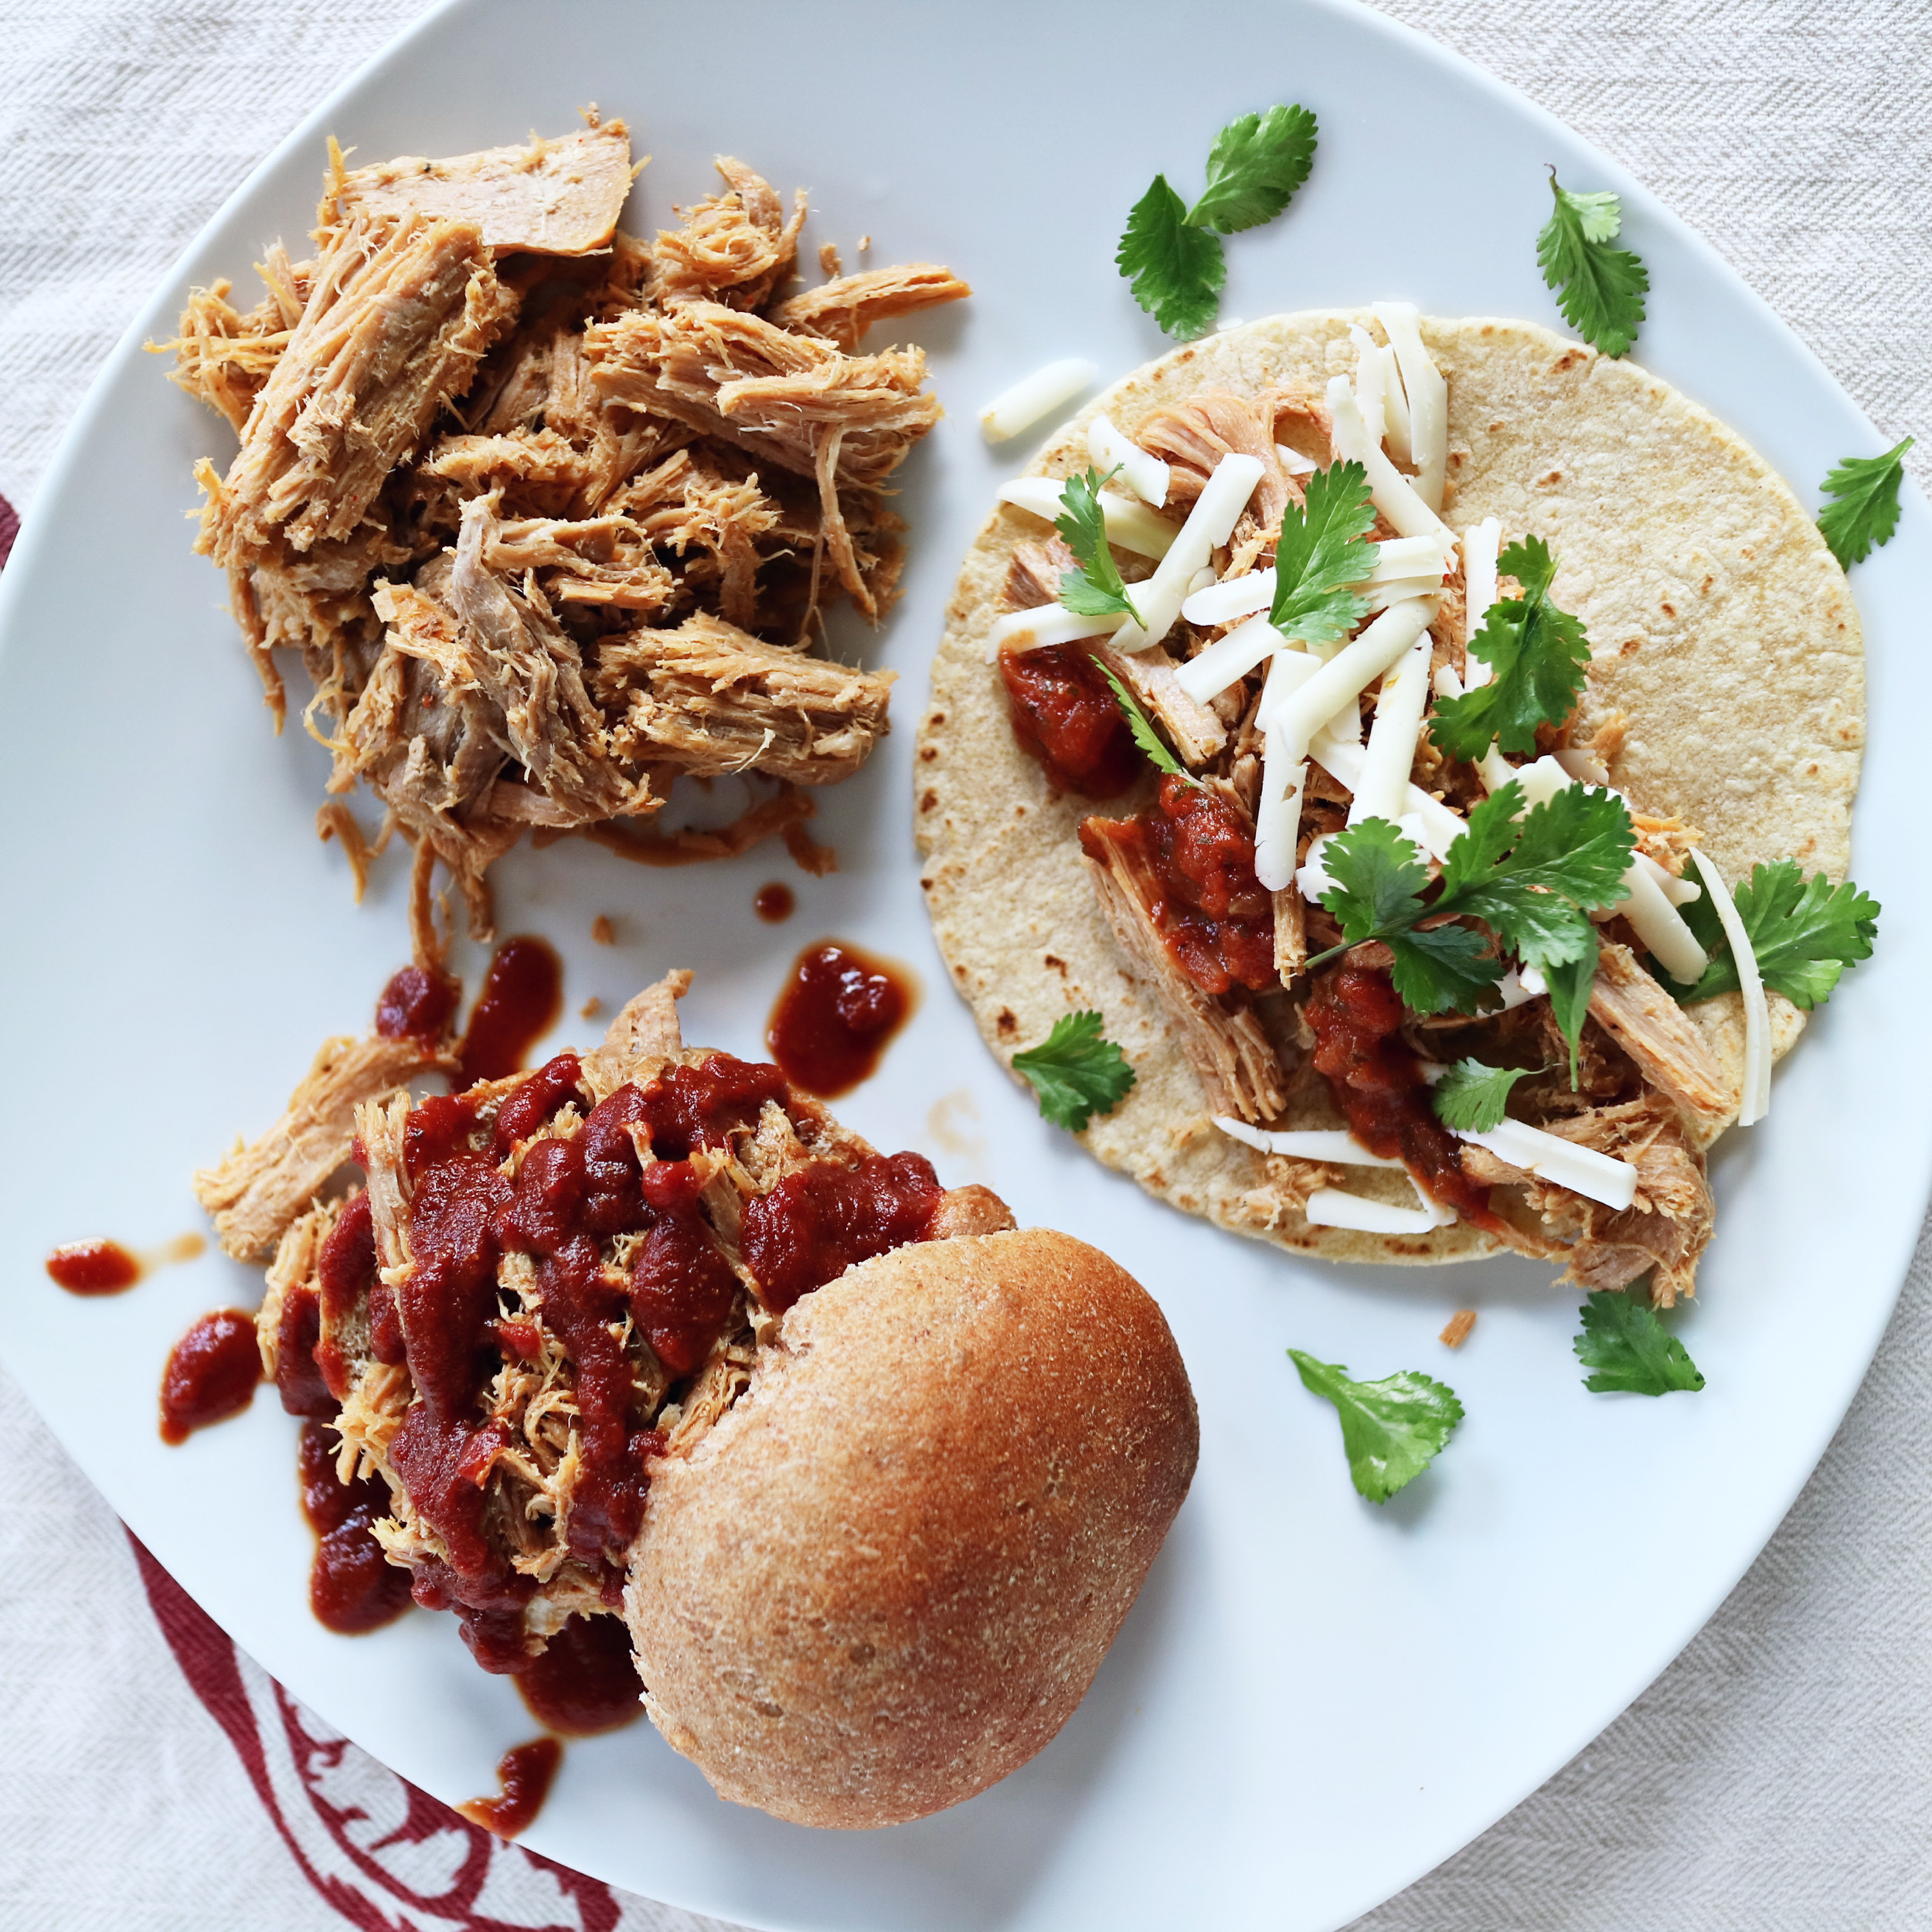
pixel 93 1268
pixel 211 1374
pixel 525 1774
pixel 839 1009
pixel 1191 848
pixel 1066 718
pixel 1357 1019
pixel 523 995
pixel 774 903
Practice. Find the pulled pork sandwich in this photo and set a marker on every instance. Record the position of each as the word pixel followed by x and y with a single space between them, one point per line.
pixel 552 514
pixel 1363 718
pixel 873 1476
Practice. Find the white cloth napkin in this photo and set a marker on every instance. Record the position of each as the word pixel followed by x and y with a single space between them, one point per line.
pixel 1779 1775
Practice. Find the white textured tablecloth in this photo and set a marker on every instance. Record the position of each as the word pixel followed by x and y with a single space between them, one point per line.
pixel 1778 1776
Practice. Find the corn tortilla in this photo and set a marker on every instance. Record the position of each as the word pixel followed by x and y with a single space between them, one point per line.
pixel 1720 625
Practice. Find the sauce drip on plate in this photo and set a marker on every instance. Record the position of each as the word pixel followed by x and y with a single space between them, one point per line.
pixel 838 1011
pixel 93 1268
pixel 524 1774
pixel 774 903
pixel 211 1374
pixel 523 995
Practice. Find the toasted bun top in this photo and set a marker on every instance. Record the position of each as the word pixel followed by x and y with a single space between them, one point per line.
pixel 887 1576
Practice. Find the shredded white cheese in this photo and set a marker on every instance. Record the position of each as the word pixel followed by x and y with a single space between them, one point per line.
pixel 1480 545
pixel 1285 771
pixel 1294 462
pixel 1147 476
pixel 1395 496
pixel 1755 1101
pixel 1131 525
pixel 1428 394
pixel 1404 566
pixel 1440 826
pixel 1600 1177
pixel 1328 1207
pixel 1228 659
pixel 1397 428
pixel 1657 923
pixel 1370 384
pixel 1334 1144
pixel 1210 524
pixel 1301 713
pixel 1035 397
pixel 1230 599
pixel 1383 790
pixel 1050 624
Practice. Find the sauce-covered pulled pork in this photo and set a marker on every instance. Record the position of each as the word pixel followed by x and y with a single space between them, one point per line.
pixel 545 1283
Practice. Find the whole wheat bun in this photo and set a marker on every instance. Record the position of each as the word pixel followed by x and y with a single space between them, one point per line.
pixel 887 1576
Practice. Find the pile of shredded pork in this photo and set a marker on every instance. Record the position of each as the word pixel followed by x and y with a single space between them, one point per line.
pixel 1649 1093
pixel 553 514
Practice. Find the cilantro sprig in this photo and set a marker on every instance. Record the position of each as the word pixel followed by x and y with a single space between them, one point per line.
pixel 1323 549
pixel 1599 289
pixel 1537 654
pixel 1076 1071
pixel 1866 511
pixel 1531 881
pixel 1094 587
pixel 1471 1098
pixel 1630 1351
pixel 1391 1430
pixel 1141 728
pixel 1804 932
pixel 1171 253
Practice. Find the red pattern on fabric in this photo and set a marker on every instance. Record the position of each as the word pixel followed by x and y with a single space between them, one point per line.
pixel 9 529
pixel 316 1763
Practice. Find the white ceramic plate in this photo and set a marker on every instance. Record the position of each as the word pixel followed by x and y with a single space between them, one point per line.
pixel 1314 1700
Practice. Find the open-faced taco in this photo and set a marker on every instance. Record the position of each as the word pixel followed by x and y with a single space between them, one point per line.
pixel 1407 858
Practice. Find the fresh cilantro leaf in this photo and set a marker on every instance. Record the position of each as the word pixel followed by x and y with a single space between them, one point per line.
pixel 1170 253
pixel 1322 549
pixel 1566 858
pixel 1440 969
pixel 1093 588
pixel 1256 164
pixel 1378 880
pixel 1537 656
pixel 1867 510
pixel 1177 271
pixel 1601 290
pixel 1391 1430
pixel 1532 883
pixel 1804 933
pixel 1630 1349
pixel 1472 1098
pixel 1076 1071
pixel 1569 986
pixel 1143 731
